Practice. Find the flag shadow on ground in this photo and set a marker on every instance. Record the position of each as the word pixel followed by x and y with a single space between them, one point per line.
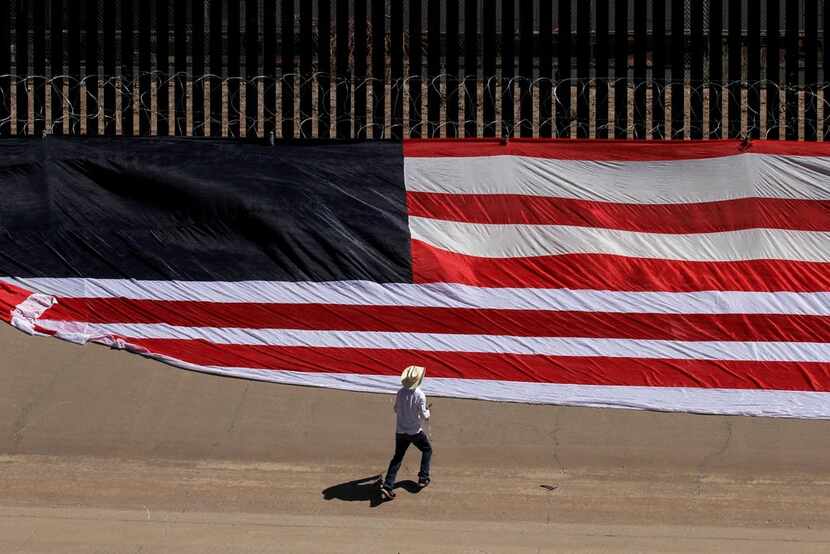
pixel 366 489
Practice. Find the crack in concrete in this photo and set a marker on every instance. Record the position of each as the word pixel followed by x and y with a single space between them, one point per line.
pixel 555 437
pixel 709 458
pixel 24 419
pixel 27 542
pixel 238 408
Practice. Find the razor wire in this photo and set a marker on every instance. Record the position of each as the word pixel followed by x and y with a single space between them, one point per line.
pixel 406 107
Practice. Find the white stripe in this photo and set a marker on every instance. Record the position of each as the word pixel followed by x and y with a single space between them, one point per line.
pixel 770 403
pixel 652 182
pixel 444 342
pixel 515 241
pixel 27 312
pixel 357 293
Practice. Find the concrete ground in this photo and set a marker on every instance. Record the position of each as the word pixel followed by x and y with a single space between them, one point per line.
pixel 102 451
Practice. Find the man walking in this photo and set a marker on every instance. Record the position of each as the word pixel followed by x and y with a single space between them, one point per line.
pixel 412 410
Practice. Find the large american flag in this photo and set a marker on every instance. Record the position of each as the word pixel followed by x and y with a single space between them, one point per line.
pixel 682 276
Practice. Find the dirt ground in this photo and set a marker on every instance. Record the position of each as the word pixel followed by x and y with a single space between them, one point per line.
pixel 102 451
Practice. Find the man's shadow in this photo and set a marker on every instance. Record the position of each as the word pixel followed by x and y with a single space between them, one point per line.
pixel 366 489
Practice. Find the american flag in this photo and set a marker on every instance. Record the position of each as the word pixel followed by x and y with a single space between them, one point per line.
pixel 681 276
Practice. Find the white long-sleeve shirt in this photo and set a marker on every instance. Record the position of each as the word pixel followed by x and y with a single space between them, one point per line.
pixel 411 407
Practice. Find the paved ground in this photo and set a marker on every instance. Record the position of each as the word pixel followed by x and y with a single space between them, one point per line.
pixel 101 451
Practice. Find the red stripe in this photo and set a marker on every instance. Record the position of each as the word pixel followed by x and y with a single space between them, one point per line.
pixel 10 297
pixel 607 150
pixel 524 323
pixel 608 272
pixel 507 367
pixel 705 217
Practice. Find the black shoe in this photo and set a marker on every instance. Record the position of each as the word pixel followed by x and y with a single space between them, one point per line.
pixel 386 493
pixel 423 482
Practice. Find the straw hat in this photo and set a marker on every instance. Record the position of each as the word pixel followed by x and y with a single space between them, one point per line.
pixel 412 376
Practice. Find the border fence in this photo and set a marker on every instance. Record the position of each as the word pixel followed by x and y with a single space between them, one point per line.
pixel 647 69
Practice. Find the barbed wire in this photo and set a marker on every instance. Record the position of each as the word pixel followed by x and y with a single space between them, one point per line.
pixel 154 103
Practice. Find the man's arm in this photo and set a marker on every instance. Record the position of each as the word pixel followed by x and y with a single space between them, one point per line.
pixel 423 404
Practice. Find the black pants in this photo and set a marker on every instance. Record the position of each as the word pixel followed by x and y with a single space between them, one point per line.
pixel 402 442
